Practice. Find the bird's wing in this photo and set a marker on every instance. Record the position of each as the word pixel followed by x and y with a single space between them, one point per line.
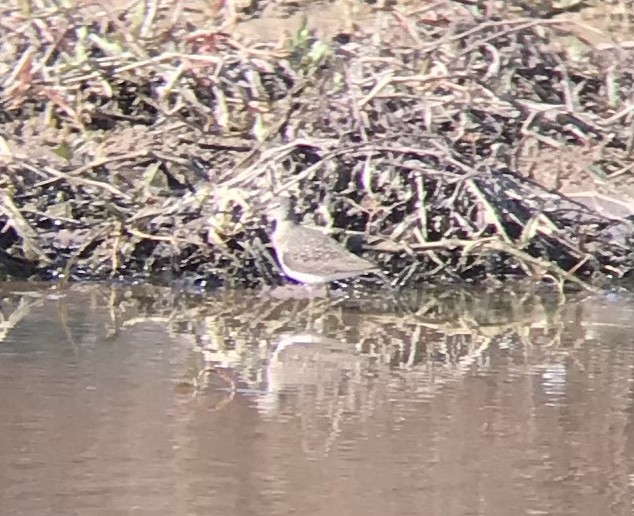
pixel 325 263
pixel 312 250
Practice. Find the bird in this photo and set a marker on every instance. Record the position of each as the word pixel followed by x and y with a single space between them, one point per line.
pixel 309 256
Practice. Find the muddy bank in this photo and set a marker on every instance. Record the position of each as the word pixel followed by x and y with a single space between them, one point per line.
pixel 451 144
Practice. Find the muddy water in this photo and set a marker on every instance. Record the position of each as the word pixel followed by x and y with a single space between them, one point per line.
pixel 120 400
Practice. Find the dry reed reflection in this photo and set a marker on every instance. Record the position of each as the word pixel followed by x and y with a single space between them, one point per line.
pixel 437 334
pixel 502 392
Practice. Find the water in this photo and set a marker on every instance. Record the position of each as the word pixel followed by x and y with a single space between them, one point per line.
pixel 120 400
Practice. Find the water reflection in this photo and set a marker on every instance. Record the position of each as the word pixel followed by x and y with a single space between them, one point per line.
pixel 122 399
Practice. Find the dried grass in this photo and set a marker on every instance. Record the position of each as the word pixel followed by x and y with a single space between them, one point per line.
pixel 134 146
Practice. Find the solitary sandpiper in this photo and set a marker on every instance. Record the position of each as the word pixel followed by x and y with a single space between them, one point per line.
pixel 309 256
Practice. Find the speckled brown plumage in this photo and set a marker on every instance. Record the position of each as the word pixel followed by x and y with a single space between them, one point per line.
pixel 309 256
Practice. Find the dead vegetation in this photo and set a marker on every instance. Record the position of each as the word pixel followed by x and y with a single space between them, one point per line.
pixel 453 143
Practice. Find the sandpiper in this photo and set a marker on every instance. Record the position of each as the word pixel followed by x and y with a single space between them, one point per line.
pixel 309 256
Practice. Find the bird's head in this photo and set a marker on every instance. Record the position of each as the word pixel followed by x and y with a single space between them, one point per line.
pixel 280 208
